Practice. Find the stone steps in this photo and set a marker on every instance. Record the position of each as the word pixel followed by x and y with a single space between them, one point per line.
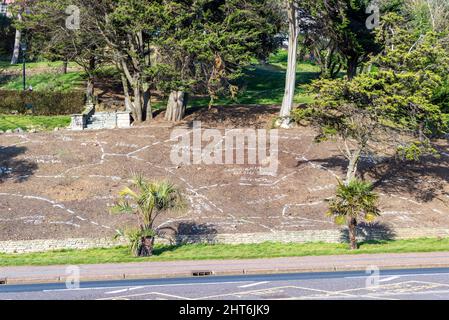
pixel 100 120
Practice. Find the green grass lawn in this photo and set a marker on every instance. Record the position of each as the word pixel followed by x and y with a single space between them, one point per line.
pixel 265 84
pixel 27 122
pixel 220 251
pixel 45 82
pixel 5 65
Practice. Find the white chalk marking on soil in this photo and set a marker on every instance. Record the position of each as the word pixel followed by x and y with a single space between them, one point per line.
pixel 39 198
pixel 66 222
pixel 114 178
pixel 321 188
pixel 54 204
pixel 303 204
pixel 268 200
pixel 259 224
pixel 277 181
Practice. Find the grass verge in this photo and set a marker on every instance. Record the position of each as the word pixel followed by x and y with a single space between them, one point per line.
pixel 221 251
pixel 27 122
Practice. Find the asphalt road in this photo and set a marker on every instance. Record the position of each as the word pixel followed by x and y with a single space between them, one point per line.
pixel 384 285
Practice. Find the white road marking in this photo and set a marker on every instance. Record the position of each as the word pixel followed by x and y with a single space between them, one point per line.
pixel 273 289
pixel 389 278
pixel 146 294
pixel 253 284
pixel 404 275
pixel 147 286
pixel 124 290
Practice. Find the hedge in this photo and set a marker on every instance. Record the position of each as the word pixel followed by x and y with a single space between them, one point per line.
pixel 41 103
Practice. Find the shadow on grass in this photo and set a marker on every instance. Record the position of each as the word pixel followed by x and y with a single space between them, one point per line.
pixel 157 251
pixel 5 78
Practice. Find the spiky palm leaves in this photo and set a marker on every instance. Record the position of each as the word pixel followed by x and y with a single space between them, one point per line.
pixel 146 200
pixel 353 201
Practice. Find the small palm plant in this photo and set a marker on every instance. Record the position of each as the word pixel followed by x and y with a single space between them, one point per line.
pixel 354 200
pixel 146 200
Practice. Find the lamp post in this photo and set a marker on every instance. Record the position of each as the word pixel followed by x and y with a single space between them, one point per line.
pixel 23 47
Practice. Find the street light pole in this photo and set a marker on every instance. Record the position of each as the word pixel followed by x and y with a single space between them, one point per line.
pixel 23 46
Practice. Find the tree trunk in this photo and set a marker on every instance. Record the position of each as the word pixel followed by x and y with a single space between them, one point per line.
pixel 90 86
pixel 352 230
pixel 421 135
pixel 134 83
pixel 137 103
pixel 148 113
pixel 90 90
pixel 146 247
pixel 290 80
pixel 352 166
pixel 352 67
pixel 176 106
pixel 126 94
pixel 64 68
pixel 335 69
pixel 16 50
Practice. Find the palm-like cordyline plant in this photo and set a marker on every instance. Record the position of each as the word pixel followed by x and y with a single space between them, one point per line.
pixel 354 200
pixel 147 200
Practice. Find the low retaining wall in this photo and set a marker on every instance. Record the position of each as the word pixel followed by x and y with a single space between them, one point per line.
pixel 79 121
pixel 329 236
pixel 23 246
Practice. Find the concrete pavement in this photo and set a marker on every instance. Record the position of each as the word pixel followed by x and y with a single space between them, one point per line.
pixel 145 270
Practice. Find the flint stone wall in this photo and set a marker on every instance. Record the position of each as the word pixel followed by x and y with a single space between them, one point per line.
pixel 329 236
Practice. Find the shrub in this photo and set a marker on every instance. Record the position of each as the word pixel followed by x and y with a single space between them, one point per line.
pixel 43 103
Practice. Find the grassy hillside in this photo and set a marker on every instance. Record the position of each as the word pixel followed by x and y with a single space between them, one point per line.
pixel 264 83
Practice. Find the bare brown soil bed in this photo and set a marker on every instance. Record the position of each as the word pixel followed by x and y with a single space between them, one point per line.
pixel 62 184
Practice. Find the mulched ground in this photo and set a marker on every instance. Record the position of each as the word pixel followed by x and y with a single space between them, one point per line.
pixel 62 184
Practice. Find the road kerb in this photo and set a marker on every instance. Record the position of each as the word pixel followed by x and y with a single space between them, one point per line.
pixel 224 272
